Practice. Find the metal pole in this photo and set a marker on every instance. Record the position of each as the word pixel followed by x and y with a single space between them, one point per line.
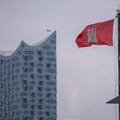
pixel 118 16
pixel 116 100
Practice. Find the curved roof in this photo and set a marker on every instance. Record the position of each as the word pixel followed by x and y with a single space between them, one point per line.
pixel 23 43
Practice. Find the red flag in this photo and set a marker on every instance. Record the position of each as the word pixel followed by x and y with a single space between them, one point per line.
pixel 97 34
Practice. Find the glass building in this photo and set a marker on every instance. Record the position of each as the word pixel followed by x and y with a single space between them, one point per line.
pixel 28 82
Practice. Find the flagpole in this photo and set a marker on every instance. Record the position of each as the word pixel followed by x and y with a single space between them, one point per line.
pixel 118 16
pixel 116 100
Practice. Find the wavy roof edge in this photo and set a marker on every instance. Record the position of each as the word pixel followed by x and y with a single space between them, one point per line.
pixel 10 52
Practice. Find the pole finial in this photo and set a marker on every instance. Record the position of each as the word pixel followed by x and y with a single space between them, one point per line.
pixel 118 10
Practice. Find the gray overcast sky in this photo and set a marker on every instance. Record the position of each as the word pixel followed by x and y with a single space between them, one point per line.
pixel 86 77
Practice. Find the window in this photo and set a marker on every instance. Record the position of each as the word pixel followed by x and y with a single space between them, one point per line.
pixel 8 90
pixel 48 65
pixel 25 100
pixel 5 115
pixel 4 67
pixel 24 105
pixel 24 94
pixel 12 77
pixel 0 74
pixel 32 106
pixel 12 65
pixel 32 64
pixel 39 52
pixel 46 47
pixel 29 52
pixel 33 94
pixel 40 82
pixel 4 91
pixel 31 88
pixel 41 118
pixel 47 77
pixel 1 85
pixel 48 95
pixel 1 61
pixel 4 79
pixel 51 59
pixel 40 58
pixel 1 103
pixel 39 70
pixel 50 53
pixel 12 96
pixel 25 82
pixel 31 57
pixel 8 102
pixel 8 73
pixel 32 76
pixel 25 70
pixel 40 89
pixel 40 101
pixel 12 114
pixel 47 113
pixel 25 58
pixel 39 107
pixel 4 97
pixel 31 69
pixel 25 63
pixel 32 112
pixel 25 88
pixel 25 118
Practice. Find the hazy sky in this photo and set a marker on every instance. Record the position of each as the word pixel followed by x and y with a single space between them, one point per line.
pixel 86 78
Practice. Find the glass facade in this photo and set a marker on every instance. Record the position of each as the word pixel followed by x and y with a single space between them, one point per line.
pixel 28 82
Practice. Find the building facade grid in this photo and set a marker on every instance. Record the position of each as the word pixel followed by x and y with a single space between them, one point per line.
pixel 28 82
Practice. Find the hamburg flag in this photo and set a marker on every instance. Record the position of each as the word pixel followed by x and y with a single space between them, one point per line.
pixel 96 34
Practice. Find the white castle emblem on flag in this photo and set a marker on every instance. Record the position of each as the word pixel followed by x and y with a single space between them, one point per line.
pixel 91 33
